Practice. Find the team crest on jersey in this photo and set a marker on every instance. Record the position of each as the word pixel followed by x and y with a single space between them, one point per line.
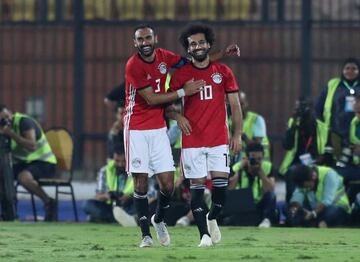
pixel 217 78
pixel 162 68
pixel 187 168
pixel 136 162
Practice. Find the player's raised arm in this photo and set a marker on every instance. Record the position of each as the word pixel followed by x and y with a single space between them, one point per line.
pixel 236 116
pixel 152 98
pixel 231 50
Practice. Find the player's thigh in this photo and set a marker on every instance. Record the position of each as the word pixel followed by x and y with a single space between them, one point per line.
pixel 193 162
pixel 161 159
pixel 137 151
pixel 218 160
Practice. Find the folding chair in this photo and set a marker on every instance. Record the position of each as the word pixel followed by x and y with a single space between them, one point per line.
pixel 62 145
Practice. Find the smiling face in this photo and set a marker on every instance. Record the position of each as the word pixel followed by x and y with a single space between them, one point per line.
pixel 145 41
pixel 350 71
pixel 198 47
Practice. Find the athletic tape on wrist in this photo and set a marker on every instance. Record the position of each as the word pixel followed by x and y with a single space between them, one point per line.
pixel 180 93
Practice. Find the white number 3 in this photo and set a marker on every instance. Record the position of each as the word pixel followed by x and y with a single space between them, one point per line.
pixel 157 90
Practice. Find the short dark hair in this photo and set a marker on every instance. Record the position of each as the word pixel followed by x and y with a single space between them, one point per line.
pixel 143 26
pixel 352 60
pixel 254 147
pixel 2 107
pixel 300 174
pixel 119 148
pixel 196 28
pixel 305 101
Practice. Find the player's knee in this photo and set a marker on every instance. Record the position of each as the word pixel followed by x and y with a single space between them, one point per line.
pixel 141 183
pixel 24 177
pixel 167 191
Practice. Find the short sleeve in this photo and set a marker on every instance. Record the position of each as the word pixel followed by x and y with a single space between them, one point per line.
pixel 117 94
pixel 259 129
pixel 173 59
pixel 331 183
pixel 230 81
pixel 27 124
pixel 297 196
pixel 101 181
pixel 176 81
pixel 136 76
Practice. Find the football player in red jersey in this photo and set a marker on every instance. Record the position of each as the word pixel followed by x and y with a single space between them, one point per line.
pixel 205 145
pixel 147 146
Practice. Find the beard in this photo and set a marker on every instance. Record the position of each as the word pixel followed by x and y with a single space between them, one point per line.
pixel 200 55
pixel 146 50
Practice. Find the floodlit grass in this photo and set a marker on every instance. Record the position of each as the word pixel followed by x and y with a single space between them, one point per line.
pixel 96 242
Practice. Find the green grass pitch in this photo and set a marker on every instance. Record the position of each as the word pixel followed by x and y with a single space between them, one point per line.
pixel 98 242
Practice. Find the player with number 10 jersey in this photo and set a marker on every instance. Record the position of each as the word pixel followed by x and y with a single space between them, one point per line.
pixel 206 110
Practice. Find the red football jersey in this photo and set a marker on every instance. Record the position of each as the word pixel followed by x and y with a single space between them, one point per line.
pixel 138 115
pixel 206 110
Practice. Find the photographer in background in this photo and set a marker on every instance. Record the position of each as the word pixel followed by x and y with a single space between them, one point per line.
pixel 254 127
pixel 31 153
pixel 305 142
pixel 113 200
pixel 319 199
pixel 349 163
pixel 259 174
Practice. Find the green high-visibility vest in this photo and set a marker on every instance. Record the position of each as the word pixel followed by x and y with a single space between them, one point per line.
pixel 43 150
pixel 355 122
pixel 112 180
pixel 332 85
pixel 257 183
pixel 248 124
pixel 341 199
pixel 321 140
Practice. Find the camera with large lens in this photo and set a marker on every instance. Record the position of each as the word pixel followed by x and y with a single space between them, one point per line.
pixel 253 161
pixel 4 140
pixel 345 158
pixel 4 122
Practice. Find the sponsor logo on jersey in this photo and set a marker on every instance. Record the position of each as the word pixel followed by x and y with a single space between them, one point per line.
pixel 162 68
pixel 148 77
pixel 136 162
pixel 217 78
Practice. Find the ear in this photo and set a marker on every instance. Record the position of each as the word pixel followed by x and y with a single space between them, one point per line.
pixel 155 39
pixel 314 175
pixel 135 44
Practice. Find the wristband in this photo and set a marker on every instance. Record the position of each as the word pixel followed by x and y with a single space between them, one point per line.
pixel 180 92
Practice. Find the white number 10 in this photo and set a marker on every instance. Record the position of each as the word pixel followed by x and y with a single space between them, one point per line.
pixel 206 93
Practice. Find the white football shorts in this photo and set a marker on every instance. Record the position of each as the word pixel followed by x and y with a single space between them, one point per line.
pixel 197 162
pixel 148 151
